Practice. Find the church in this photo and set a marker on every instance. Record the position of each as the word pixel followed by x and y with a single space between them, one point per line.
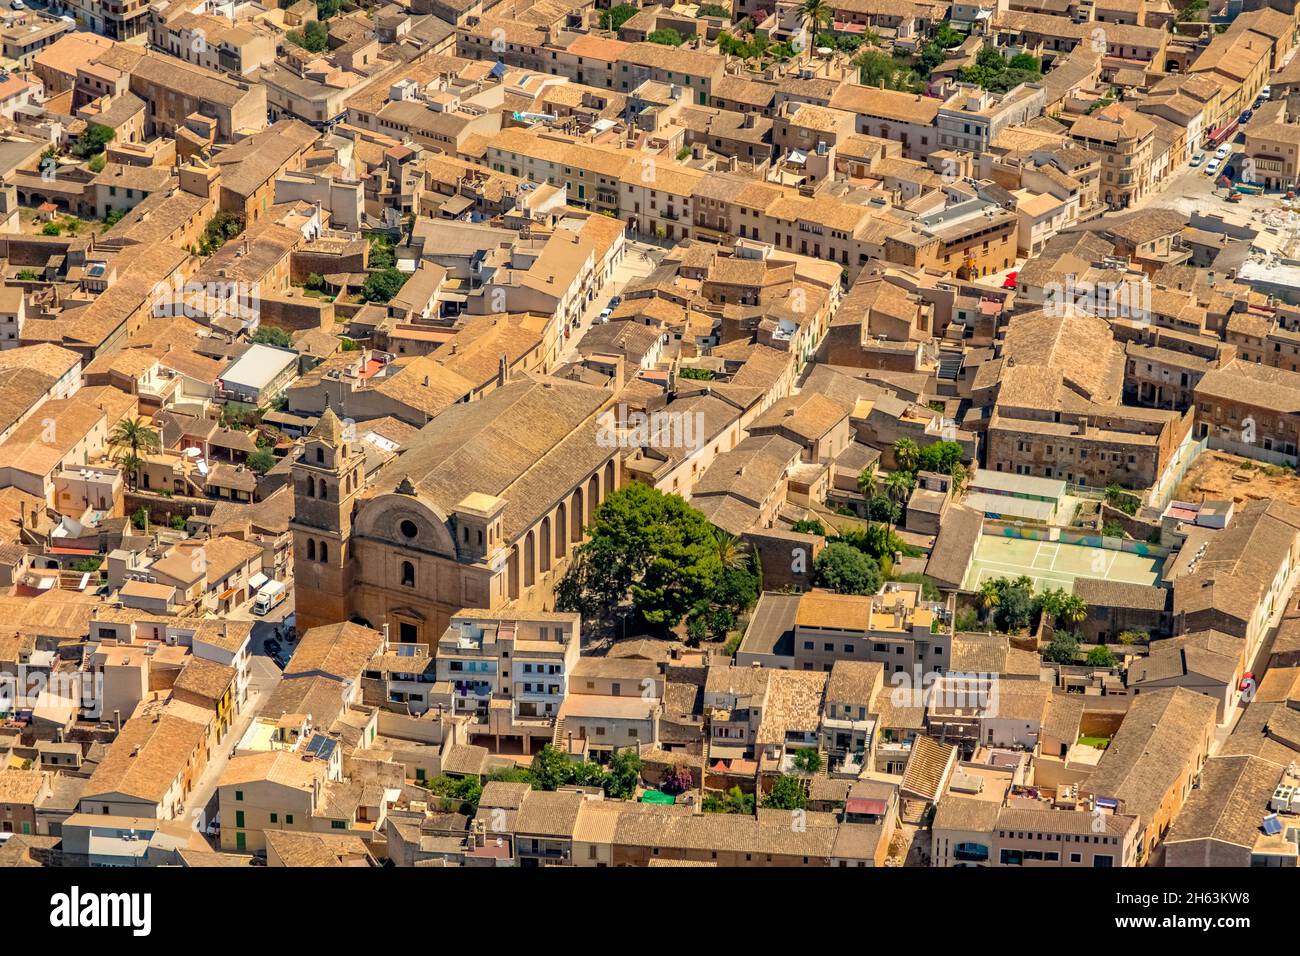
pixel 482 510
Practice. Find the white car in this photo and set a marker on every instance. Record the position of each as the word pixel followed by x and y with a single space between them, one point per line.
pixel 1222 151
pixel 1211 166
pixel 17 5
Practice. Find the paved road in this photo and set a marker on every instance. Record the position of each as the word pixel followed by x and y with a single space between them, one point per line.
pixel 264 675
pixel 639 261
pixel 1258 666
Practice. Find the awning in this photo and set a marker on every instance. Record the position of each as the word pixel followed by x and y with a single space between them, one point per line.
pixel 865 805
pixel 257 580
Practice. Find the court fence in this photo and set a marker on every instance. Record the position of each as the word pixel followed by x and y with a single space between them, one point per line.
pixel 1059 535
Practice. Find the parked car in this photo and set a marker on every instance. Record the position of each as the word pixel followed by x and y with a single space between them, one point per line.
pixel 604 316
pixel 1211 166
pixel 272 646
pixel 1222 151
pixel 1198 159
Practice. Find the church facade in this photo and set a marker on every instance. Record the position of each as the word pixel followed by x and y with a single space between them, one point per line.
pixel 482 510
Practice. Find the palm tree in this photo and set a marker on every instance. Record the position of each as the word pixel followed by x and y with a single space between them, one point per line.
pixel 990 596
pixel 907 454
pixel 899 484
pixel 814 15
pixel 130 465
pixel 1073 610
pixel 135 433
pixel 867 488
pixel 867 482
pixel 132 436
pixel 731 550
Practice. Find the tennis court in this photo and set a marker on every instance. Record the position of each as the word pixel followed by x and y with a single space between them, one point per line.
pixel 1052 564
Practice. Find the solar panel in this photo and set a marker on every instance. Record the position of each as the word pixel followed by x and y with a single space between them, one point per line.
pixel 1272 825
pixel 320 746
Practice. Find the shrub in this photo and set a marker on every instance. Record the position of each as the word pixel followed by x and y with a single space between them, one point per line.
pixel 678 780
pixel 807 760
pixel 666 37
pixel 1063 649
pixel 615 17
pixel 93 141
pixel 383 285
pixel 1101 657
pixel 270 335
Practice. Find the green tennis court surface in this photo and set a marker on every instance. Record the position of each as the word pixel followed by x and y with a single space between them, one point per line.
pixel 1054 565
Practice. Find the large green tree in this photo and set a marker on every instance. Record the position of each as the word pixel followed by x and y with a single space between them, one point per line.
pixel 664 554
pixel 787 794
pixel 383 285
pixel 846 570
pixel 940 457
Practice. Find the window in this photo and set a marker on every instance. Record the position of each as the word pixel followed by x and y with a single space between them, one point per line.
pixel 275 818
pixel 338 825
pixel 324 551
pixel 408 574
pixel 408 529
pixel 239 795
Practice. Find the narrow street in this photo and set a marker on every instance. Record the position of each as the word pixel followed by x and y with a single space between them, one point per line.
pixel 264 676
pixel 639 260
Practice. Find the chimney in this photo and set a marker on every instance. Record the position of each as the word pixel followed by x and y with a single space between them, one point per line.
pixel 117 720
pixel 501 370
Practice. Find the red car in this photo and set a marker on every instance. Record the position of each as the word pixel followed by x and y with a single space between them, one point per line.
pixel 1010 281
